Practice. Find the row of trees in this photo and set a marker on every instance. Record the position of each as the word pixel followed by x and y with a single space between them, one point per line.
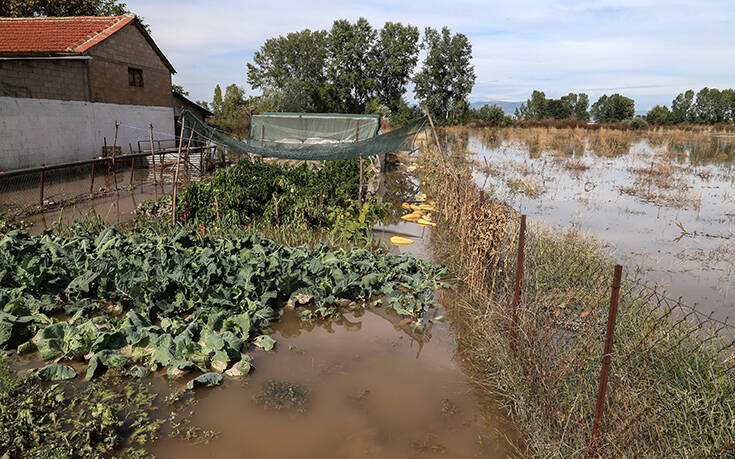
pixel 710 106
pixel 354 68
pixel 538 107
pixel 576 106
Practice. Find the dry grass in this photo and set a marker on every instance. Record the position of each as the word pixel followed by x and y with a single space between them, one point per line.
pixel 670 393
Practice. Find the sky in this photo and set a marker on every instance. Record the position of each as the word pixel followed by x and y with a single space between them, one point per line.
pixel 649 50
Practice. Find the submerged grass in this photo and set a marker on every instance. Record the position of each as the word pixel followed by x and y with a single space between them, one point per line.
pixel 671 391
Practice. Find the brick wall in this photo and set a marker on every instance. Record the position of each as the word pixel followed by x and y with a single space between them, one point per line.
pixel 44 79
pixel 108 71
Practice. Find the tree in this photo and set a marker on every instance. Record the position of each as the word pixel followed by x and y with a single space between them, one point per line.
pixel 392 60
pixel 493 115
pixel 539 107
pixel 292 70
pixel 659 114
pixel 351 81
pixel 217 107
pixel 447 76
pixel 24 8
pixel 681 107
pixel 613 108
pixel 178 89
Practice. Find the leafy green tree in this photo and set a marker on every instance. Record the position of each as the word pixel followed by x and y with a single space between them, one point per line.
pixel 349 71
pixel 710 107
pixel 659 114
pixel 539 107
pixel 613 108
pixel 447 76
pixel 681 107
pixel 392 59
pixel 178 89
pixel 217 107
pixel 493 115
pixel 24 8
pixel 292 70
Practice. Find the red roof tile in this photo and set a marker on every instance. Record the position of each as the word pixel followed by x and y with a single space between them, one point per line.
pixel 53 35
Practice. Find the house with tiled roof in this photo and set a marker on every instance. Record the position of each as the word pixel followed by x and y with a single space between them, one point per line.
pixel 65 81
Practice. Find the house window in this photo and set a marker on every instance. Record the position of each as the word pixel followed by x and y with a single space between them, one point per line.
pixel 135 76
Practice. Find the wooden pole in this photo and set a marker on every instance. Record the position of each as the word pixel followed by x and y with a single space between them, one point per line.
pixel 114 147
pixel 436 137
pixel 42 184
pixel 186 155
pixel 262 132
pixel 357 139
pixel 606 358
pixel 518 281
pixel 91 181
pixel 132 166
pixel 153 154
pixel 176 175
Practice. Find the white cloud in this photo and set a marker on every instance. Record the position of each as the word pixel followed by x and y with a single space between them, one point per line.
pixel 652 48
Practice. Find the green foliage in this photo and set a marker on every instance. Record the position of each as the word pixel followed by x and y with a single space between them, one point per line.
pixel 538 107
pixel 292 69
pixel 392 60
pixel 250 191
pixel 613 108
pixel 351 81
pixel 182 301
pixel 25 8
pixel 447 76
pixel 60 421
pixel 681 107
pixel 637 122
pixel 339 70
pixel 659 114
pixel 231 113
pixel 492 115
pixel 178 89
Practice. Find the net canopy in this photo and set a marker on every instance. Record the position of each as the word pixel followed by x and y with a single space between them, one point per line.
pixel 314 148
pixel 313 127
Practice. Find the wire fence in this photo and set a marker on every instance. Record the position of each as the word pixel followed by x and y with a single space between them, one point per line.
pixel 39 189
pixel 608 356
pixel 593 361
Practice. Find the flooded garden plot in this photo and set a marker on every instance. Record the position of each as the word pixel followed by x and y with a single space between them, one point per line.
pixel 664 201
pixel 343 349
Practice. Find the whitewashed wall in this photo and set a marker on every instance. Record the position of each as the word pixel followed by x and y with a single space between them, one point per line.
pixel 44 131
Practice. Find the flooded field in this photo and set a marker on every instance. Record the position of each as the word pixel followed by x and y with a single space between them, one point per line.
pixel 664 203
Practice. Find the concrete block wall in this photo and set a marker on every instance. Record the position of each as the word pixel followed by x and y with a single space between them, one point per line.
pixel 63 79
pixel 46 131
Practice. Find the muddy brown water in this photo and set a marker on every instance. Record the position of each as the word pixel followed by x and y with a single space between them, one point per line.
pixel 687 248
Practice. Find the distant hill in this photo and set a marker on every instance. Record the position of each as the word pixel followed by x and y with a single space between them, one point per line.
pixel 508 107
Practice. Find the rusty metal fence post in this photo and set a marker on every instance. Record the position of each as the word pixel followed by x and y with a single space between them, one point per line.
pixel 91 181
pixel 606 358
pixel 518 282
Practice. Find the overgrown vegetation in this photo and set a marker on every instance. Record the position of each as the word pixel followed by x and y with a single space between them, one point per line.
pixel 303 196
pixel 108 417
pixel 671 391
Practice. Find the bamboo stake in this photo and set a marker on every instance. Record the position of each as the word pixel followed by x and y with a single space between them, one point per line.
pixel 436 137
pixel 132 165
pixel 357 139
pixel 114 147
pixel 153 154
pixel 176 175
pixel 186 156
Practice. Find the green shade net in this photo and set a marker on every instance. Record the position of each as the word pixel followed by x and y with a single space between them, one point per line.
pixel 306 127
pixel 314 147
